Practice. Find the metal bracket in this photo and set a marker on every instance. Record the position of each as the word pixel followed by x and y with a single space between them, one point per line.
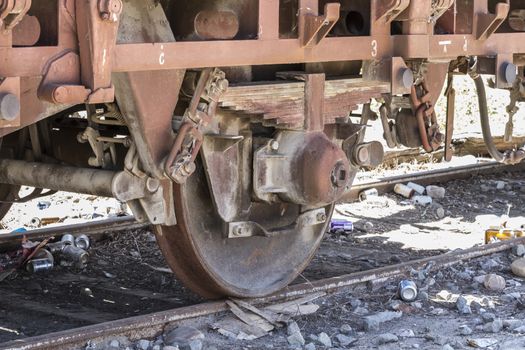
pixel 12 12
pixel 488 23
pixel 244 229
pixel 314 28
pixel 402 77
pixel 506 71
pixel 9 102
pixel 110 10
pixel 387 11
pixel 180 163
pixel 97 26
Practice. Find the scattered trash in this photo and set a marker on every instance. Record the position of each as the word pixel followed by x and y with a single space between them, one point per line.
pixel 500 185
pixel 422 200
pixel 38 257
pixel 436 192
pixel 496 234
pixel 368 227
pixel 39 222
pixel 482 342
pixel 407 290
pixel 252 323
pixel 76 255
pixel 366 194
pixel 39 265
pixel 43 205
pixel 82 242
pixel 68 239
pixel 418 188
pixel 404 191
pixel 341 224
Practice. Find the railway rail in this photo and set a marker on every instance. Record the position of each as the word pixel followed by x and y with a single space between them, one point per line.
pixel 383 185
pixel 149 325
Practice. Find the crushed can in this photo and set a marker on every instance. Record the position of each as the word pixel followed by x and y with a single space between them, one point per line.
pixel 82 242
pixel 502 234
pixel 77 255
pixel 341 224
pixel 68 239
pixel 366 194
pixel 407 291
pixel 43 205
pixel 39 265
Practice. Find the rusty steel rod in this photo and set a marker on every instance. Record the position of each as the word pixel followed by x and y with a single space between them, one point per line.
pixel 152 324
pixel 57 177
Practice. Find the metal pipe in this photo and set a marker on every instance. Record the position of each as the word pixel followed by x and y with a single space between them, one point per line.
pixel 57 177
pixel 484 118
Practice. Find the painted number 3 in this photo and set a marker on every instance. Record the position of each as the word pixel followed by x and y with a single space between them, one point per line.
pixel 374 48
pixel 162 57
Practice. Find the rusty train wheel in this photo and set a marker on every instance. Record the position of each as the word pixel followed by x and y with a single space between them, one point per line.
pixel 215 266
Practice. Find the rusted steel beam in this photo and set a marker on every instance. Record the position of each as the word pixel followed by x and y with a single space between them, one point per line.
pixel 182 55
pixel 150 325
pixel 26 62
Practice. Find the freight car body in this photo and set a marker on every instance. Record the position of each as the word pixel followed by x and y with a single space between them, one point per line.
pixel 238 167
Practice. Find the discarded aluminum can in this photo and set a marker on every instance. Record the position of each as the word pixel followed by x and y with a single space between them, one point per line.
pixel 502 234
pixel 407 290
pixel 35 222
pixel 422 200
pixel 418 188
pixel 43 205
pixel 341 224
pixel 68 239
pixel 75 254
pixel 366 194
pixel 82 242
pixel 56 248
pixel 39 265
pixel 404 190
pixel 436 192
pixel 49 221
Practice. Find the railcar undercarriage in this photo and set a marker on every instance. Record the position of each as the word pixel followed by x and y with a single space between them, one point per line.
pixel 234 126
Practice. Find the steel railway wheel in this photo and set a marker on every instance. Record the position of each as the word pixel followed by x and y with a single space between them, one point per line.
pixel 215 266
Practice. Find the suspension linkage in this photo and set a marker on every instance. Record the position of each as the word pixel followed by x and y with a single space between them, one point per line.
pixel 180 163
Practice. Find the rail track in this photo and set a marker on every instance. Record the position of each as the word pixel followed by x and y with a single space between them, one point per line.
pixel 383 185
pixel 152 324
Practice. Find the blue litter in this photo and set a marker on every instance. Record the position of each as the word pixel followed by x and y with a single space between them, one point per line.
pixel 19 230
pixel 341 224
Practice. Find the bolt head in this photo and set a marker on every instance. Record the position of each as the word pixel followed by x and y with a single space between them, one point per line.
pixel 339 175
pixel 9 107
pixel 510 73
pixel 152 185
pixel 274 145
pixel 407 78
pixel 363 155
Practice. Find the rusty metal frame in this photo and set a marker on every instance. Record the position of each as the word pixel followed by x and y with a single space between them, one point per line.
pixel 269 49
pixel 82 22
